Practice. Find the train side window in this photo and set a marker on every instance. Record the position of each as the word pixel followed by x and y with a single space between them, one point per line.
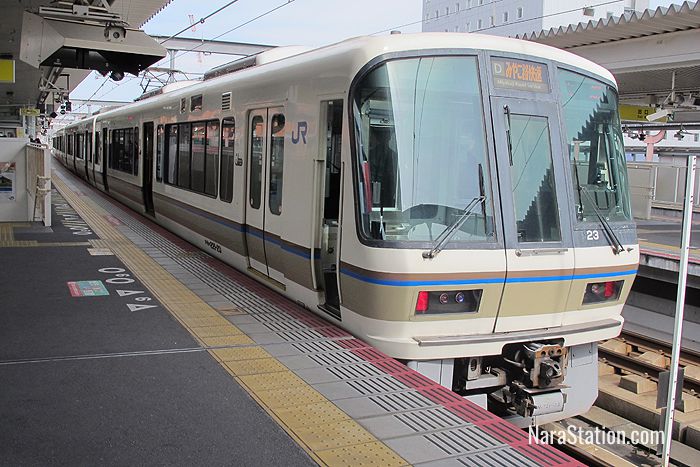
pixel 183 166
pixel 160 135
pixel 171 154
pixel 257 136
pixel 127 148
pixel 228 136
pixel 211 157
pixel 197 167
pixel 276 163
pixel 134 156
pixel 98 147
pixel 196 103
pixel 88 145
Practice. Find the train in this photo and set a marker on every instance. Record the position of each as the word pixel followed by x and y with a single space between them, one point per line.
pixel 458 201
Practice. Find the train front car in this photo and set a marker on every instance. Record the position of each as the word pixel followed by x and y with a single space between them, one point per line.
pixel 494 240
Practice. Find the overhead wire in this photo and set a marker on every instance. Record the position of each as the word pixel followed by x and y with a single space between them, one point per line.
pixel 509 23
pixel 193 49
pixel 200 21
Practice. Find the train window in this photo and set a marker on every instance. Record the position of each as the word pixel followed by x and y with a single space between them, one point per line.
pixel 98 148
pixel 135 151
pixel 183 155
pixel 123 151
pixel 183 105
pixel 276 163
pixel 594 139
pixel 171 154
pixel 78 146
pixel 257 136
pixel 191 155
pixel 420 151
pixel 197 168
pixel 88 146
pixel 212 157
pixel 127 146
pixel 196 103
pixel 228 136
pixel 160 136
pixel 532 176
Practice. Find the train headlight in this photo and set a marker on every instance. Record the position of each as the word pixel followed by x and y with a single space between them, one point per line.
pixel 439 302
pixel 598 292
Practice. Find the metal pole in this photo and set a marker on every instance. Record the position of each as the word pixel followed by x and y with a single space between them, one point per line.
pixel 680 308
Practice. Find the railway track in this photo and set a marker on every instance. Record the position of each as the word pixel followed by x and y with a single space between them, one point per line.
pixel 639 344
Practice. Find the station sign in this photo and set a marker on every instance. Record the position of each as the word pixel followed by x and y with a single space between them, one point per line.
pixel 520 75
pixel 638 113
pixel 7 71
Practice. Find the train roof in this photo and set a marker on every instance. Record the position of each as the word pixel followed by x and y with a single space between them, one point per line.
pixel 358 51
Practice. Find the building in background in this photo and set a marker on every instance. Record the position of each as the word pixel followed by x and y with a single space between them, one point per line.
pixel 512 17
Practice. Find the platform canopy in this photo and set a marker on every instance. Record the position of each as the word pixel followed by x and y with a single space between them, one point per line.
pixel 651 53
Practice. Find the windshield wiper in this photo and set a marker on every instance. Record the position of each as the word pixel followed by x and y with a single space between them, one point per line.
pixel 446 234
pixel 609 233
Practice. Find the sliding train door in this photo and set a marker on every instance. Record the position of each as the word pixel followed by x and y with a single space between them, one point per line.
pixel 265 155
pixel 147 185
pixel 255 208
pixel 537 225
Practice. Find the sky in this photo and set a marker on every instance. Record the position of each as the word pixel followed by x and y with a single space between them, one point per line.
pixel 296 22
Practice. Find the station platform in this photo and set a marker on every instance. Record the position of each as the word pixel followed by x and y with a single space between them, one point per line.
pixel 659 243
pixel 123 344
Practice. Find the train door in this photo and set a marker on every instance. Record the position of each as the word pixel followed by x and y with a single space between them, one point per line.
pixel 537 227
pixel 255 210
pixel 106 156
pixel 327 190
pixel 148 168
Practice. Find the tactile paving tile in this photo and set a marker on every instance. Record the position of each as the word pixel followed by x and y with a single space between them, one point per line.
pixel 240 353
pixel 310 413
pixel 254 367
pixel 371 454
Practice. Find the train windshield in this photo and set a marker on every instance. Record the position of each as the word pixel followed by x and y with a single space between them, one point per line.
pixel 421 152
pixel 594 140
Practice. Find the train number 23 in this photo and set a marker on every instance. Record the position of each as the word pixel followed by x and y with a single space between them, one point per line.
pixel 592 235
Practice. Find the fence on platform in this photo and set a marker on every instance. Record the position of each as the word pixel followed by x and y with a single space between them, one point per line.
pixel 659 186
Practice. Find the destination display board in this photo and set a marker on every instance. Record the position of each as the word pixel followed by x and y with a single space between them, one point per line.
pixel 521 75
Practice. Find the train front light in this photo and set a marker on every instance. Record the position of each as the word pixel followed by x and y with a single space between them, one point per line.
pixel 598 292
pixel 452 301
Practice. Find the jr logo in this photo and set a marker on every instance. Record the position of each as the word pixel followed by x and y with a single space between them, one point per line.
pixel 302 128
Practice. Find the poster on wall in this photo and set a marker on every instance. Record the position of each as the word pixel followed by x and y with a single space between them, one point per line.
pixel 7 181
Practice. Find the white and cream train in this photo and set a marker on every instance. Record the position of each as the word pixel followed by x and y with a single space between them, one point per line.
pixel 458 201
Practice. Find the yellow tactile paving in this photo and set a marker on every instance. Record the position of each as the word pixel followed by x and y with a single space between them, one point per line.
pixel 272 381
pixel 255 367
pixel 285 397
pixel 297 416
pixel 369 454
pixel 333 435
pixel 243 353
pixel 298 407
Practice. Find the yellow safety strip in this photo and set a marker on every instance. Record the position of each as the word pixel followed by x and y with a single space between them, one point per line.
pixel 324 431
